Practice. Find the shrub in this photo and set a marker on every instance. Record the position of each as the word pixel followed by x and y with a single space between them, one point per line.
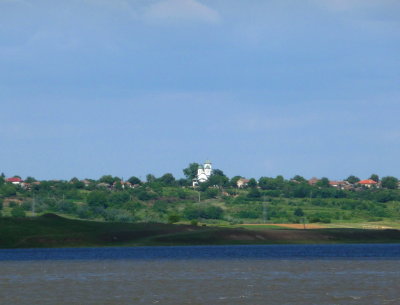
pixel 173 218
pixel 17 211
pixel 205 212
pixel 194 222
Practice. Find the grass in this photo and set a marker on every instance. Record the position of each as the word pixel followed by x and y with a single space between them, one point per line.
pixel 53 231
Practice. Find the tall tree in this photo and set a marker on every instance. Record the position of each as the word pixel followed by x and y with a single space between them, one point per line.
pixel 352 179
pixel 167 179
pixel 134 180
pixel 390 182
pixel 374 177
pixel 190 172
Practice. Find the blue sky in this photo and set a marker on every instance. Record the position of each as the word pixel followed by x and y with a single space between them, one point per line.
pixel 261 88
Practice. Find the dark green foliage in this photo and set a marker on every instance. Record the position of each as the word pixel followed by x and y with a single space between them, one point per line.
pixel 323 182
pixel 267 183
pixel 390 182
pixel 217 178
pixel 118 215
pixel 109 179
pixel 234 180
pixel 299 178
pixel 203 212
pixel 167 180
pixel 298 212
pixel 252 183
pixel 118 198
pixel 211 193
pixel 191 171
pixel 150 178
pixel 254 193
pixel 17 212
pixel 352 179
pixel 8 190
pixel 174 218
pixel 134 180
pixel 374 177
pixel 97 198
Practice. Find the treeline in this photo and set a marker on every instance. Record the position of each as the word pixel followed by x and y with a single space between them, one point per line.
pixel 167 199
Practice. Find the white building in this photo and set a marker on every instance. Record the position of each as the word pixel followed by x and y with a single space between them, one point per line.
pixel 203 173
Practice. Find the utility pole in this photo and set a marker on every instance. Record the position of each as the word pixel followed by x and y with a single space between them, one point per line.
pixel 33 205
pixel 199 196
pixel 265 212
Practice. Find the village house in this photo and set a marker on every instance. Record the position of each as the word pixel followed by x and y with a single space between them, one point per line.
pixel 369 183
pixel 242 182
pixel 313 181
pixel 342 185
pixel 15 180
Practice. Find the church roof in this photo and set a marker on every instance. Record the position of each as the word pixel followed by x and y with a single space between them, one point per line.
pixel 208 162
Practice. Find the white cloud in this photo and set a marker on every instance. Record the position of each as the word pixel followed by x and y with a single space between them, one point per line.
pixel 173 11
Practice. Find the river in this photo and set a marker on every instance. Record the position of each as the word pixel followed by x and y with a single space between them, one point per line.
pixel 295 274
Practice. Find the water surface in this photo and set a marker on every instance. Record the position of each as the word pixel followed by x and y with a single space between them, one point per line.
pixel 303 275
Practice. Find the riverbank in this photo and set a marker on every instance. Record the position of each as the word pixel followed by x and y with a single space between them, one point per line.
pixel 53 231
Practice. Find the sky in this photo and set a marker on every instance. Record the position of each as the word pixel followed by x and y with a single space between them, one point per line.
pixel 259 87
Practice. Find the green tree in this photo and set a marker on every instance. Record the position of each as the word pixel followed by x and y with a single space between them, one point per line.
pixel 352 179
pixel 234 180
pixel 109 179
pixel 298 212
pixel 190 172
pixel 150 178
pixel 218 178
pixel 30 179
pixel 97 198
pixel 323 182
pixel 299 178
pixel 254 193
pixel 390 182
pixel 134 180
pixel 167 179
pixel 374 177
pixel 252 183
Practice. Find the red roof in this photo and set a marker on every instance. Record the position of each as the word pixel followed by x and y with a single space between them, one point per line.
pixel 367 181
pixel 14 179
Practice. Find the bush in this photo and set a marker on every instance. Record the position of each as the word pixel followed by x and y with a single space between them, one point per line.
pixel 173 218
pixel 118 215
pixel 97 198
pixel 205 212
pixel 17 211
pixel 211 193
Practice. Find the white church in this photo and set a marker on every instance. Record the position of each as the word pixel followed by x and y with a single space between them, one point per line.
pixel 203 173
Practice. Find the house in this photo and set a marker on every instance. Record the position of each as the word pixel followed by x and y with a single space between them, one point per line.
pixel 242 182
pixel 342 185
pixel 313 181
pixel 15 180
pixel 203 173
pixel 368 183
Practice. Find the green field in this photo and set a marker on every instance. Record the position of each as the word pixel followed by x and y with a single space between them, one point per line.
pixel 51 230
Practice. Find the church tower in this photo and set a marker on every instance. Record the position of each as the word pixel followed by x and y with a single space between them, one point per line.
pixel 208 168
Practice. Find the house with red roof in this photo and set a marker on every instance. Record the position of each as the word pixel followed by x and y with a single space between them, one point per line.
pixel 15 180
pixel 368 183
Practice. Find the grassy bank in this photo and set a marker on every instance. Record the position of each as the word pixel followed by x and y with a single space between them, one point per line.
pixel 54 231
